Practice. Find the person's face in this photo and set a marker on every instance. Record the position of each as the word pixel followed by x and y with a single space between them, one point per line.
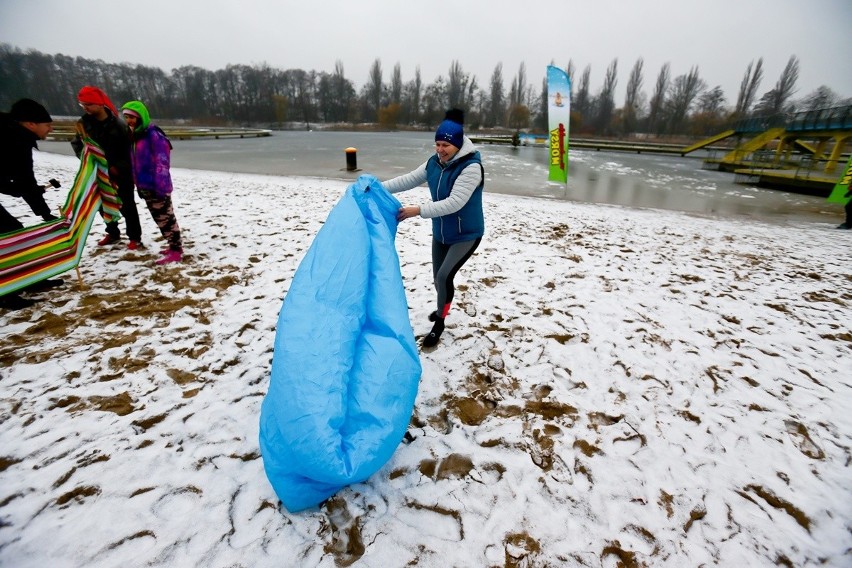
pixel 445 150
pixel 93 109
pixel 131 121
pixel 40 129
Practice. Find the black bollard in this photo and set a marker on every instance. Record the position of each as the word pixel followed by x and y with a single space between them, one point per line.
pixel 351 159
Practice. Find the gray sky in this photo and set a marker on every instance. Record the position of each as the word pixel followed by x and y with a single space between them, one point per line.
pixel 721 37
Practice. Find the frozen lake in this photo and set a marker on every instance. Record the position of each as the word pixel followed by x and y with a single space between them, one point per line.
pixel 618 178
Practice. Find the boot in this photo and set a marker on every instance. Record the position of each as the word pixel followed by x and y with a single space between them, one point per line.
pixel 431 340
pixel 108 240
pixel 171 256
pixel 14 302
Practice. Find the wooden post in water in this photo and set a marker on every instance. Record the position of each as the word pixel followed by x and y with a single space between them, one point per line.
pixel 351 159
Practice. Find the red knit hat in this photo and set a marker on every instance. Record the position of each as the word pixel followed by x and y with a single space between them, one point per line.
pixel 95 96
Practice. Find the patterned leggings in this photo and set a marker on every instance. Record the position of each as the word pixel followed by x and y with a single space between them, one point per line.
pixel 164 216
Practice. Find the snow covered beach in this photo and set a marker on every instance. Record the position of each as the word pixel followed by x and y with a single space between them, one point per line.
pixel 614 385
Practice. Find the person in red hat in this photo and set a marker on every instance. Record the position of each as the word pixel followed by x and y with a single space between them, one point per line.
pixel 101 123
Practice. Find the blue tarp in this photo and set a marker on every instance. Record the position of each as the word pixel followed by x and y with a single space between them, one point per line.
pixel 345 368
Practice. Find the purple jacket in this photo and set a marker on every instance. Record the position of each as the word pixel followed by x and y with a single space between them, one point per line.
pixel 151 160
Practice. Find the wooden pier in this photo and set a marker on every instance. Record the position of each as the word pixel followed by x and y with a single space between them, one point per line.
pixel 64 132
pixel 800 180
pixel 598 145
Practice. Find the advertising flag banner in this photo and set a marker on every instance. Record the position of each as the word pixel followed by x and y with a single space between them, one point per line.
pixel 841 189
pixel 558 116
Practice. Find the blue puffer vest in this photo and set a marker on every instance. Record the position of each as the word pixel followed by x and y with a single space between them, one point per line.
pixel 466 224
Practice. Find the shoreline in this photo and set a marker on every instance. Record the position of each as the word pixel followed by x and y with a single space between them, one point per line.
pixel 785 208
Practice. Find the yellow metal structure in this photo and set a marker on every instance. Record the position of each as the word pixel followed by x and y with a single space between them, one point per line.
pixel 707 141
pixel 752 145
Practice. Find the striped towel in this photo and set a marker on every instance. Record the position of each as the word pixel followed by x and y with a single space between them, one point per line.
pixel 36 253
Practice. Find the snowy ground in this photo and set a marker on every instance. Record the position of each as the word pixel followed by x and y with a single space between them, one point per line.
pixel 615 387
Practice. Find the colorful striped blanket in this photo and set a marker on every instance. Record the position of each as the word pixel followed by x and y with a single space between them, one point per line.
pixel 36 253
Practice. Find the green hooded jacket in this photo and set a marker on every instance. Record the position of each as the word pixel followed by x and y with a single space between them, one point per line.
pixel 150 154
pixel 139 108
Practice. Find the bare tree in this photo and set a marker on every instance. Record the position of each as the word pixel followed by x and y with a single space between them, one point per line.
pixel 822 97
pixel 569 70
pixel 606 98
pixel 373 91
pixel 581 101
pixel 481 106
pixel 302 95
pixel 396 85
pixel 658 100
pixel 343 91
pixel 413 96
pixel 497 107
pixel 470 97
pixel 334 95
pixel 711 101
pixel 682 93
pixel 434 101
pixel 456 86
pixel 530 99
pixel 748 87
pixel 786 85
pixel 632 95
pixel 708 117
pixel 519 86
pixel 774 101
pixel 541 121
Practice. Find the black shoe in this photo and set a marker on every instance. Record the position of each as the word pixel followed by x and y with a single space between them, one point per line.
pixel 44 285
pixel 431 340
pixel 49 217
pixel 15 302
pixel 844 226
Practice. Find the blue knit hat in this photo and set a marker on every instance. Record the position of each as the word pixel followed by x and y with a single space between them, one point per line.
pixel 451 129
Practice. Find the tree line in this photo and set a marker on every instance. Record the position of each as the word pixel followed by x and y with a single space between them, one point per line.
pixel 267 96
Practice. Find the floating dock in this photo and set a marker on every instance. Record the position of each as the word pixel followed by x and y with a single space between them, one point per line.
pixel 64 132
pixel 601 145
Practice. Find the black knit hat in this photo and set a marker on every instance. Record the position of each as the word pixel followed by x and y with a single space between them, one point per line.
pixel 27 110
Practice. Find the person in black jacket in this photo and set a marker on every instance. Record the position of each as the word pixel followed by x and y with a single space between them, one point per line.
pixel 20 129
pixel 101 123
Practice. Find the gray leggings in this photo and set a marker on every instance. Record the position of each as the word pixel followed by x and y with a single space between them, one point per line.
pixel 446 261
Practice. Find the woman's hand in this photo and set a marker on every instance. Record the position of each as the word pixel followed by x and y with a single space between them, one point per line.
pixel 407 212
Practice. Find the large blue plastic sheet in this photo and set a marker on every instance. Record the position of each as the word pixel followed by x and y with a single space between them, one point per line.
pixel 345 368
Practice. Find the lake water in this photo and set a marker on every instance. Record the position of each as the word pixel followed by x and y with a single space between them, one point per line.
pixel 618 178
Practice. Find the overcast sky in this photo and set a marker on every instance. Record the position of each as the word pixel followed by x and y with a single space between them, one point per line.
pixel 721 37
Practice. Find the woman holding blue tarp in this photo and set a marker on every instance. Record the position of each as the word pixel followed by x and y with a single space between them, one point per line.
pixel 456 179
